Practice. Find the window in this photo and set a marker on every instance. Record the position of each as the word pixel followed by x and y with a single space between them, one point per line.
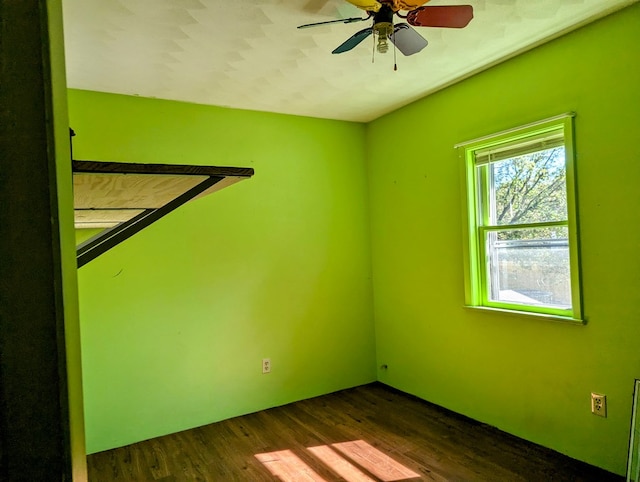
pixel 522 245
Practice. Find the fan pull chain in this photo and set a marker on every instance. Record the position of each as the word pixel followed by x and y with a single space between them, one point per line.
pixel 373 52
pixel 395 63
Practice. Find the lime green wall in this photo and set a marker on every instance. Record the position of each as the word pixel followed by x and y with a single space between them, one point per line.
pixel 175 321
pixel 528 377
pixel 83 235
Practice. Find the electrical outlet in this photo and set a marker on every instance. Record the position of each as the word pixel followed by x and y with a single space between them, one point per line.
pixel 599 404
pixel 266 365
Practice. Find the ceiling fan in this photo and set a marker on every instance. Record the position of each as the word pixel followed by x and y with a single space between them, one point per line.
pixel 402 35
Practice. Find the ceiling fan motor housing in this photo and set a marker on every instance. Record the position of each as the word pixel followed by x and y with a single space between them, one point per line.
pixel 384 15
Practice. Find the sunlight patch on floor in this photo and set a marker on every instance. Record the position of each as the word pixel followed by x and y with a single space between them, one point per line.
pixel 287 466
pixel 376 462
pixel 339 465
pixel 352 461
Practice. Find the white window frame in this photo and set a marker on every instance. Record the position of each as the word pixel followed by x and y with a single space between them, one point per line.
pixel 475 260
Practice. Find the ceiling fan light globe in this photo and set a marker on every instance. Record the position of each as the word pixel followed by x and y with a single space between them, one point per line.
pixel 383 45
pixel 382 31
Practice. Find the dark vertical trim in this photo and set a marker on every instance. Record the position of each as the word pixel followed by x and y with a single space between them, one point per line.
pixel 34 422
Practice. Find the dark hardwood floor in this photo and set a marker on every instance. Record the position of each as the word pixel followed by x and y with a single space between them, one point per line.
pixel 368 433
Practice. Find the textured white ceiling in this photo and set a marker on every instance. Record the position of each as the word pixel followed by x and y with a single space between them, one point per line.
pixel 248 54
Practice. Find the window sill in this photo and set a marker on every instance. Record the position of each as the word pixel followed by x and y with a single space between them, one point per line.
pixel 529 315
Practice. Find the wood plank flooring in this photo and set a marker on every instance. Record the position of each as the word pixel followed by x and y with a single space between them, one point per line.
pixel 364 434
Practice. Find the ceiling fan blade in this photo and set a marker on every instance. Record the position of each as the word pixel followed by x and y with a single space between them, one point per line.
pixel 452 16
pixel 342 20
pixel 408 5
pixel 352 41
pixel 368 5
pixel 407 40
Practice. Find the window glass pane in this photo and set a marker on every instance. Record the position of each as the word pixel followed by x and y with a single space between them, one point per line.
pixel 528 189
pixel 529 267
